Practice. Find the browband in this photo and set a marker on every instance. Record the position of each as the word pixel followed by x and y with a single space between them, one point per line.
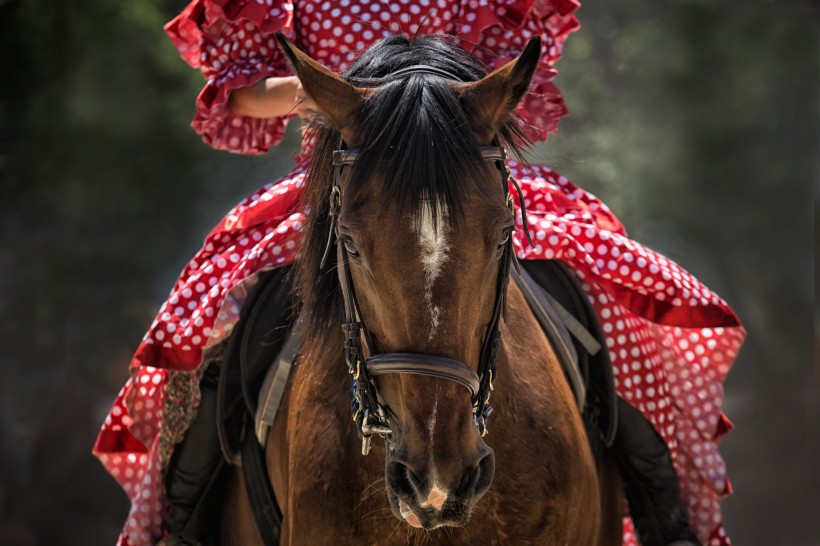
pixel 423 69
pixel 349 157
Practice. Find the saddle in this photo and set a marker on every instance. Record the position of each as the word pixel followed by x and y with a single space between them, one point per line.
pixel 549 284
pixel 256 341
pixel 266 340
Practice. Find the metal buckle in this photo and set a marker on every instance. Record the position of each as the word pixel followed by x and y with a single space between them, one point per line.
pixel 345 157
pixel 511 204
pixel 378 425
pixel 335 199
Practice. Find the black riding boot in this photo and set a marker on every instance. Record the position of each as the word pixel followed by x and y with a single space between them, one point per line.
pixel 193 465
pixel 650 481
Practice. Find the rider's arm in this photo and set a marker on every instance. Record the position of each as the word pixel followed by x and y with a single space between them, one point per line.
pixel 269 98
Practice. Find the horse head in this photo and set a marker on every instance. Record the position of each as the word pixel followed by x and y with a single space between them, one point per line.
pixel 423 218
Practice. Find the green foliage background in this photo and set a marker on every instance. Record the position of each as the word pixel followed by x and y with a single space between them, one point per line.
pixel 696 120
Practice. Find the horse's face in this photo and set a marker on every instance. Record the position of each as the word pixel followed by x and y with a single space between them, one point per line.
pixel 426 283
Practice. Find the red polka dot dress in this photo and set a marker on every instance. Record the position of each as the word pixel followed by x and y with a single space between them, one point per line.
pixel 671 339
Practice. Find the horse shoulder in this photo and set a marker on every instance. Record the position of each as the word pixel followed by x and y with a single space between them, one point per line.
pixel 543 458
pixel 320 479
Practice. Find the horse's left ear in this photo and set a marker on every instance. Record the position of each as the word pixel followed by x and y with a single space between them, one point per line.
pixel 338 101
pixel 490 101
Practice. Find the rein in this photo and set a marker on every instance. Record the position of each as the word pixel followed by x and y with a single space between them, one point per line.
pixel 369 414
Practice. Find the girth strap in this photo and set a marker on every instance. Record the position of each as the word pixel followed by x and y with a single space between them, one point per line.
pixel 273 387
pixel 423 364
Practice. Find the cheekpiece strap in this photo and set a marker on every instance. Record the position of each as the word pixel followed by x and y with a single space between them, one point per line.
pixel 368 414
pixel 493 153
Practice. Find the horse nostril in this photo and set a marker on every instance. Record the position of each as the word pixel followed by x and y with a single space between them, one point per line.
pixel 402 479
pixel 414 480
pixel 476 480
pixel 469 479
pixel 487 468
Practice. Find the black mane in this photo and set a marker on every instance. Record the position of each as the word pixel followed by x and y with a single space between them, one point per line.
pixel 416 137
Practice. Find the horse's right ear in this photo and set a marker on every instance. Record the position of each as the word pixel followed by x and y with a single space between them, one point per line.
pixel 338 101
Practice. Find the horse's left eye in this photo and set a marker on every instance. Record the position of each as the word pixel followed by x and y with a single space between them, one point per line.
pixel 505 236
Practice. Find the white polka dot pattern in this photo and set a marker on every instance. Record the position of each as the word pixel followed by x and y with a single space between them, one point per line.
pixel 232 42
pixel 128 448
pixel 666 362
pixel 670 338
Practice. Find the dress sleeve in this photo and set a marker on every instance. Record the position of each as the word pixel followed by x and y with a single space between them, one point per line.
pixel 232 42
pixel 498 30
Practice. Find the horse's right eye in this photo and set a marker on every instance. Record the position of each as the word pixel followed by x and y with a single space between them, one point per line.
pixel 350 248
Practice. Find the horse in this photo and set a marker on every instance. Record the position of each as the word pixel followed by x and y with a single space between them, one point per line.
pixel 403 286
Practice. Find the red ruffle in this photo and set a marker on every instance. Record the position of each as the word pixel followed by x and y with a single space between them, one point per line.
pixel 208 33
pixel 222 129
pixel 670 370
pixel 499 31
pixel 232 42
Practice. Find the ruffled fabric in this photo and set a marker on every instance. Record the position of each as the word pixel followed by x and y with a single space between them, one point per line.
pixel 232 42
pixel 260 233
pixel 498 32
pixel 129 450
pixel 137 438
pixel 671 339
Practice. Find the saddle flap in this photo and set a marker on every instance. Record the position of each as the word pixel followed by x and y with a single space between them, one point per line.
pixel 254 344
pixel 273 387
pixel 561 290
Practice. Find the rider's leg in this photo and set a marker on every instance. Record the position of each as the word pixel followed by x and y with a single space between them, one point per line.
pixel 193 464
pixel 650 481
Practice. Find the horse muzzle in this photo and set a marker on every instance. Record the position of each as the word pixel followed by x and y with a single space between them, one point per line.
pixel 428 496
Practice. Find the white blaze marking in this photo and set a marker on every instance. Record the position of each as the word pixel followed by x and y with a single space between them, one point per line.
pixel 433 243
pixel 436 498
pixel 431 425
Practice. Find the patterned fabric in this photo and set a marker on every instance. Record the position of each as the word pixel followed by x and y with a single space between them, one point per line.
pixel 671 339
pixel 232 42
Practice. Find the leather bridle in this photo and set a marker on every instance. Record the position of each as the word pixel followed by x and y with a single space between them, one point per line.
pixel 369 414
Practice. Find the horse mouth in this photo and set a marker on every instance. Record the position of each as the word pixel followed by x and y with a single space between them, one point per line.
pixel 409 516
pixel 450 514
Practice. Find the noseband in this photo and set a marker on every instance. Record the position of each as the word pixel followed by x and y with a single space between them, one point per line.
pixel 369 414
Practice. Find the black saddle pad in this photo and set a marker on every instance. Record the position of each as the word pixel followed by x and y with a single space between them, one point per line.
pixel 255 342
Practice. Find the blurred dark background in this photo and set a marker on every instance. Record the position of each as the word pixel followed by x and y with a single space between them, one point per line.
pixel 696 120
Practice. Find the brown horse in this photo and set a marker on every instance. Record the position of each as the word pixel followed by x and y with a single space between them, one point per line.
pixel 423 222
